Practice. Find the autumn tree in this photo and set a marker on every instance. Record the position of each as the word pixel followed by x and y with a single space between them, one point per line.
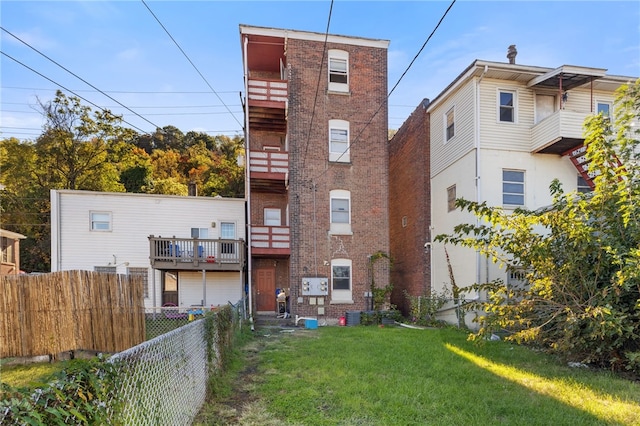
pixel 580 256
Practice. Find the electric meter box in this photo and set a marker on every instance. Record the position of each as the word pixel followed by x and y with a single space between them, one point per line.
pixel 315 286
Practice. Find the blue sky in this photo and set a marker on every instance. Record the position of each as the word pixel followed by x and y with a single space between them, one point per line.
pixel 121 49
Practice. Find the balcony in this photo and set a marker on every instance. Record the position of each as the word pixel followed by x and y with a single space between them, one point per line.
pixel 267 104
pixel 558 133
pixel 196 254
pixel 268 171
pixel 270 241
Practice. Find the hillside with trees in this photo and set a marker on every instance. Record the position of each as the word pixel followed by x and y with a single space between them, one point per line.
pixel 91 150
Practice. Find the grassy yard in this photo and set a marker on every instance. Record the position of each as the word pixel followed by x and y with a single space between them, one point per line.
pixel 401 376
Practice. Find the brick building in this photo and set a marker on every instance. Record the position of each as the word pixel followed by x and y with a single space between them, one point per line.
pixel 317 180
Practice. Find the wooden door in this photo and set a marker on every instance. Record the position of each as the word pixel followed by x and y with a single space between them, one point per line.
pixel 266 289
pixel 170 288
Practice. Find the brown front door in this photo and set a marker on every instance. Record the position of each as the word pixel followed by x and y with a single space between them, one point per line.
pixel 266 290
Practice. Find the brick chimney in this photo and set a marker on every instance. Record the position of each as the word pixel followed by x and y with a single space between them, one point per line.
pixel 511 54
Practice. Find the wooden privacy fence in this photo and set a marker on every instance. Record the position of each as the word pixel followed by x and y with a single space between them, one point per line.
pixel 70 310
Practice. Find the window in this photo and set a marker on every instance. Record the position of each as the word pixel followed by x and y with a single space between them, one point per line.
pixel 100 221
pixel 451 198
pixel 513 187
pixel 339 141
pixel 199 233
pixel 272 217
pixel 341 280
pixel 604 108
pixel 449 124
pixel 105 269
pixel 340 212
pixel 338 70
pixel 228 232
pixel 583 186
pixel 507 107
pixel 141 272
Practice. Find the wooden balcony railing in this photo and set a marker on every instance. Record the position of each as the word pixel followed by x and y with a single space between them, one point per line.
pixel 264 92
pixel 196 254
pixel 269 163
pixel 270 240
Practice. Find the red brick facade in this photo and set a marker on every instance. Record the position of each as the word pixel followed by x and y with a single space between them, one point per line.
pixel 410 217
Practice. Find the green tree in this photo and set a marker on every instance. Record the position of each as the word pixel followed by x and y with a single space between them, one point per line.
pixel 581 256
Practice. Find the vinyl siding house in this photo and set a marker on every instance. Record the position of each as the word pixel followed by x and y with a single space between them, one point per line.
pixel 190 250
pixel 317 179
pixel 501 133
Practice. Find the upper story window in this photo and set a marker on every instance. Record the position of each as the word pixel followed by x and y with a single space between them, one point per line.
pixel 340 211
pixel 199 233
pixel 451 198
pixel 227 232
pixel 272 217
pixel 604 108
pixel 338 70
pixel 339 141
pixel 513 187
pixel 507 106
pixel 100 221
pixel 450 124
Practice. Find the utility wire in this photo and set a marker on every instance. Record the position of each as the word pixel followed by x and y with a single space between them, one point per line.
pixel 149 92
pixel 315 101
pixel 191 62
pixel 68 90
pixel 77 76
pixel 395 86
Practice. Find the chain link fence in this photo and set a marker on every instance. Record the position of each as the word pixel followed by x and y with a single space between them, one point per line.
pixel 163 381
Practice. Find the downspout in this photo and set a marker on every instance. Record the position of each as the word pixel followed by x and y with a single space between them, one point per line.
pixel 247 182
pixel 478 189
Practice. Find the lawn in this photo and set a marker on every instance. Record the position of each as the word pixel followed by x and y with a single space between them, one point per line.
pixel 401 376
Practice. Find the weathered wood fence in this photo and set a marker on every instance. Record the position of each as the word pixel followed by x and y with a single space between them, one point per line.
pixel 70 310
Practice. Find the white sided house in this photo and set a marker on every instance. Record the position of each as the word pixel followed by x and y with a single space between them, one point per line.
pixel 501 133
pixel 190 250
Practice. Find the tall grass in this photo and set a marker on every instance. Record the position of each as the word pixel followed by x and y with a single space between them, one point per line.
pixel 401 376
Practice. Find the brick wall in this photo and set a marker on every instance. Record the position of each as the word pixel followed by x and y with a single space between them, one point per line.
pixel 311 176
pixel 409 197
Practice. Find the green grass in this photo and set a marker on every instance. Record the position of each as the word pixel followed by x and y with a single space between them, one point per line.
pixel 26 375
pixel 401 376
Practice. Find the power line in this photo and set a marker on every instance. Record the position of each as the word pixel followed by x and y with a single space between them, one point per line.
pixel 77 76
pixel 68 90
pixel 191 62
pixel 394 87
pixel 149 92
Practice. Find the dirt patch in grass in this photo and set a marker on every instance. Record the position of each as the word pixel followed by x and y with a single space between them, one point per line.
pixel 242 405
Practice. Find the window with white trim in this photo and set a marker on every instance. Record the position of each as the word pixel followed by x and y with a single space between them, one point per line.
pixel 604 108
pixel 100 221
pixel 272 217
pixel 341 280
pixel 583 185
pixel 199 233
pixel 512 187
pixel 507 106
pixel 338 70
pixel 451 198
pixel 340 211
pixel 339 141
pixel 228 232
pixel 449 124
pixel 144 274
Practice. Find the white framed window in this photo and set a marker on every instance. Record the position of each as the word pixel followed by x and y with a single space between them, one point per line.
pixel 341 288
pixel 141 272
pixel 512 187
pixel 449 124
pixel 451 198
pixel 100 221
pixel 339 141
pixel 200 233
pixel 228 232
pixel 338 70
pixel 583 185
pixel 272 217
pixel 340 212
pixel 105 269
pixel 507 106
pixel 604 108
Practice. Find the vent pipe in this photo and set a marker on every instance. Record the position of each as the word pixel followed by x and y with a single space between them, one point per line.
pixel 511 54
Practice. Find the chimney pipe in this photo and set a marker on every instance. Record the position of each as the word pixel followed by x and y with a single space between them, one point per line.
pixel 511 54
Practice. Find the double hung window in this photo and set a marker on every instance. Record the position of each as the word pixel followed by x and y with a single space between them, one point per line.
pixel 507 106
pixel 513 187
pixel 339 141
pixel 338 70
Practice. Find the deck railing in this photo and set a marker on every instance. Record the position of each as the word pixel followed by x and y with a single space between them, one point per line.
pixel 188 253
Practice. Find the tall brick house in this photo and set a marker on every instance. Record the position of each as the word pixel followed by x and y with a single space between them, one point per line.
pixel 317 180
